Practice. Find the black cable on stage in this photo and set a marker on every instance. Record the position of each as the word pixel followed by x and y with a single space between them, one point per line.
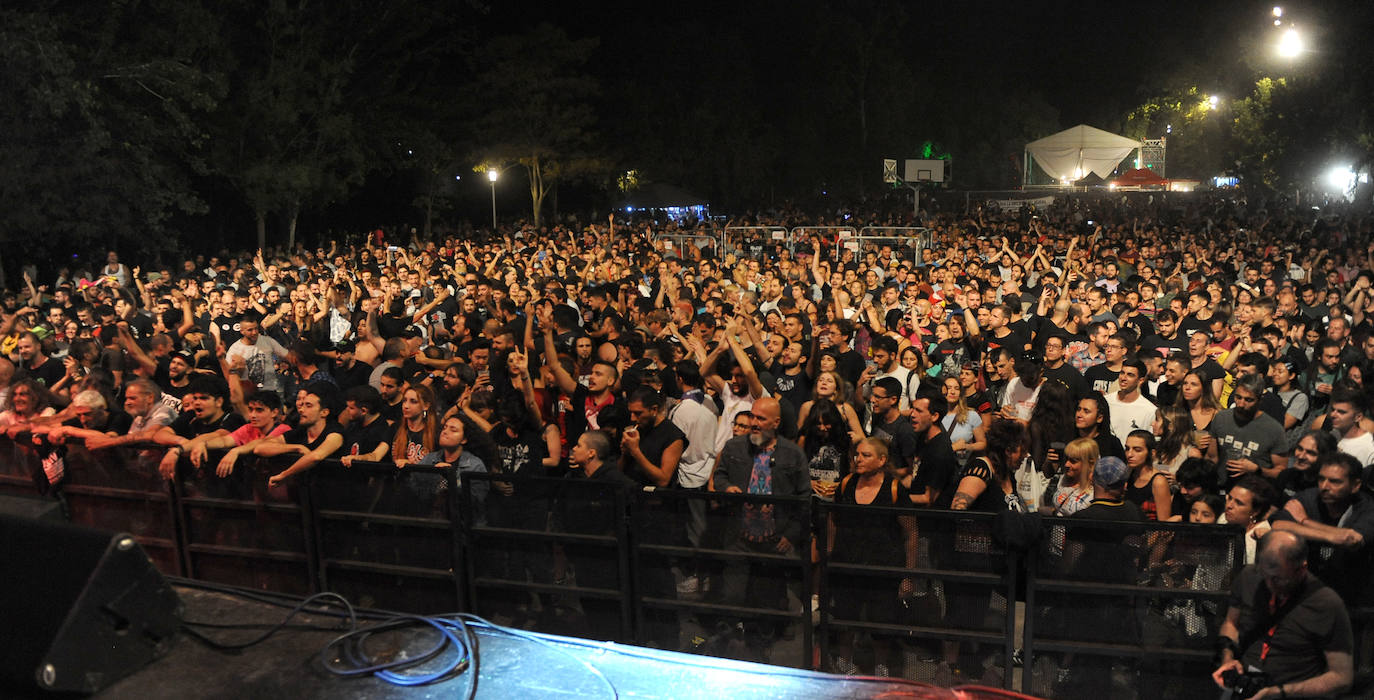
pixel 456 629
pixel 189 627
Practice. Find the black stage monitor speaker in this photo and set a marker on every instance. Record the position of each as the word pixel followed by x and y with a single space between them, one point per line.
pixel 79 608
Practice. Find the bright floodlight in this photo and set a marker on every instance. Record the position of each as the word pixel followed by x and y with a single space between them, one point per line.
pixel 1278 11
pixel 493 174
pixel 1340 178
pixel 1291 44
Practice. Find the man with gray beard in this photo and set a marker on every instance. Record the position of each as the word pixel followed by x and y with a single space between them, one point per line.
pixel 762 463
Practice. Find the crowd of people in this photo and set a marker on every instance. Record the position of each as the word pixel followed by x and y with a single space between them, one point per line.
pixel 1198 360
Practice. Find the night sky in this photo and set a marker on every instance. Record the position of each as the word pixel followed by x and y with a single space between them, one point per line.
pixel 1091 61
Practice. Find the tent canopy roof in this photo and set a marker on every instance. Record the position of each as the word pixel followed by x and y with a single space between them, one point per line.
pixel 1139 177
pixel 1077 151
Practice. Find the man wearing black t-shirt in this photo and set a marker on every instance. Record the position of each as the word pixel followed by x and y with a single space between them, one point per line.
pixel 935 462
pixel 367 435
pixel 1000 334
pixel 34 364
pixel 1337 518
pixel 391 387
pixel 891 425
pixel 202 416
pixel 789 375
pixel 652 446
pixel 316 438
pixel 1103 378
pixel 1166 340
pixel 1285 620
pixel 850 364
pixel 1107 555
pixel 1057 368
pixel 1199 362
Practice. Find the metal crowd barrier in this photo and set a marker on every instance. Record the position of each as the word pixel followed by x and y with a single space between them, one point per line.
pixel 678 242
pixel 666 567
pixel 961 577
pixel 733 239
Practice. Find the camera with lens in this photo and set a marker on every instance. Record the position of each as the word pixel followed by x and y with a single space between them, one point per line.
pixel 1245 685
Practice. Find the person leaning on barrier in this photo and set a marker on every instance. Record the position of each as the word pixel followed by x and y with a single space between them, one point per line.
pixel 1337 518
pixel 202 417
pixel 587 508
pixel 92 418
pixel 1286 624
pixel 367 435
pixel 453 453
pixel 316 438
pixel 264 420
pixel 142 401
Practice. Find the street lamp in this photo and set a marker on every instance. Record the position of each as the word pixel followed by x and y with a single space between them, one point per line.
pixel 493 175
pixel 1290 45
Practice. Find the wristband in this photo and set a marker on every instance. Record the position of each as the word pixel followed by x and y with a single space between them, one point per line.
pixel 1283 694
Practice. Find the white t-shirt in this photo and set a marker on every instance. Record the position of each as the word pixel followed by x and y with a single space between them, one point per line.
pixel 259 361
pixel 1361 448
pixel 909 385
pixel 698 423
pixel 732 405
pixel 1022 397
pixel 1135 415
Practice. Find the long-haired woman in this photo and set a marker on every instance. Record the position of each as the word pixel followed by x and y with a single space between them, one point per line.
pixel 829 385
pixel 1051 423
pixel 1147 487
pixel 963 424
pixel 825 438
pixel 1173 430
pixel 1195 394
pixel 417 433
pixel 985 484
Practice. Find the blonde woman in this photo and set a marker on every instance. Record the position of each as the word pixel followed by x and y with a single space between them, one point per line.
pixel 872 540
pixel 1073 490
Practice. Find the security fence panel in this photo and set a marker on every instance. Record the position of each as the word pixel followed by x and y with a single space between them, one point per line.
pixel 1115 606
pixel 238 531
pixel 120 489
pixel 906 243
pixel 386 536
pixel 750 241
pixel 679 243
pixel 723 574
pixel 951 612
pixel 548 555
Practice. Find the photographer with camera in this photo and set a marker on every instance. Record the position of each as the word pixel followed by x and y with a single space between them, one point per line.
pixel 1286 633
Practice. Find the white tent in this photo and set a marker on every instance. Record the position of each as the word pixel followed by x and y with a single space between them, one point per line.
pixel 1074 152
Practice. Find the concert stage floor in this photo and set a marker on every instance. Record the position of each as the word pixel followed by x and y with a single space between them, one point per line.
pixel 287 666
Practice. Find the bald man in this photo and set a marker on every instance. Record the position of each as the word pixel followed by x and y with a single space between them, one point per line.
pixel 764 463
pixel 1276 598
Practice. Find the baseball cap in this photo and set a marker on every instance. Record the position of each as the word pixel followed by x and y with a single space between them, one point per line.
pixel 1110 473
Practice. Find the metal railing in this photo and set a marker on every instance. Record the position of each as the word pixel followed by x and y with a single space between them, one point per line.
pixel 574 556
pixel 678 242
pixel 733 239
